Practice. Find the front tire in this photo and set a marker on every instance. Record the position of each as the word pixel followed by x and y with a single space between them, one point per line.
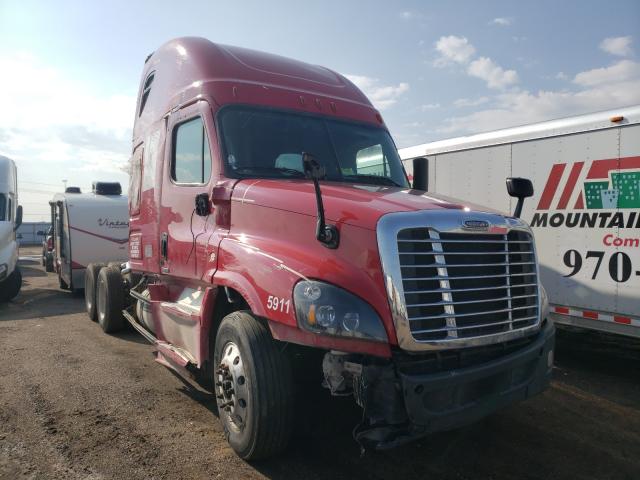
pixel 90 281
pixel 110 300
pixel 253 387
pixel 11 286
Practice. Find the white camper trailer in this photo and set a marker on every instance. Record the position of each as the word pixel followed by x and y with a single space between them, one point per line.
pixel 88 227
pixel 585 212
pixel 10 220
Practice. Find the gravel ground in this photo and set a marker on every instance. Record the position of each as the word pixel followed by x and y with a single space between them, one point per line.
pixel 76 403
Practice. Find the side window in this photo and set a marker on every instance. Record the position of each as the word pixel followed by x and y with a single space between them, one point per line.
pixel 191 156
pixel 371 161
pixel 10 211
pixel 146 90
pixel 3 207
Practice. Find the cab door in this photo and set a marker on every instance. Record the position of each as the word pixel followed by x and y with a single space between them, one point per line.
pixel 187 174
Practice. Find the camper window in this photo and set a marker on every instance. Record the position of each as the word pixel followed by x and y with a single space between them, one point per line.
pixel 10 211
pixel 191 158
pixel 3 207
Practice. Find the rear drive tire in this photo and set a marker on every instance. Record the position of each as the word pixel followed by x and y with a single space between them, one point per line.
pixel 253 386
pixel 11 285
pixel 110 300
pixel 90 282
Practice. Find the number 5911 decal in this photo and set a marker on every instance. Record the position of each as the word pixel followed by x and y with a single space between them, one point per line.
pixel 278 304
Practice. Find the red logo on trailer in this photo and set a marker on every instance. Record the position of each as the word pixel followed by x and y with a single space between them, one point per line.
pixel 610 183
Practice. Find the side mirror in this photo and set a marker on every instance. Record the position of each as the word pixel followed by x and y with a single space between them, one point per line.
pixel 420 174
pixel 519 188
pixel 18 218
pixel 312 168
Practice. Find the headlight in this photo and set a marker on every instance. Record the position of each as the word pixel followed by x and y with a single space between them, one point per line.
pixel 325 309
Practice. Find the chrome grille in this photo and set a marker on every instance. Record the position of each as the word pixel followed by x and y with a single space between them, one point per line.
pixel 465 285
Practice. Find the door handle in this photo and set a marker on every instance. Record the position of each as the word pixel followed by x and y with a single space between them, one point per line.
pixel 164 245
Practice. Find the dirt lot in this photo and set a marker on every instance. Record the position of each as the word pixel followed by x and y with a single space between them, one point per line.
pixel 76 403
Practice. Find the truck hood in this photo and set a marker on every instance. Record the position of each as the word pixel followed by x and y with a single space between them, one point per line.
pixel 352 204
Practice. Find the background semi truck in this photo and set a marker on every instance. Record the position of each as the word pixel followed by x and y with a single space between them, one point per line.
pixel 10 220
pixel 274 237
pixel 585 212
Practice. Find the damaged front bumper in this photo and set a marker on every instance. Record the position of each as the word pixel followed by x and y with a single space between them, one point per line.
pixel 401 402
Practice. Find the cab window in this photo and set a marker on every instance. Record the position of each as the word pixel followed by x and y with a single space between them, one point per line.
pixel 191 156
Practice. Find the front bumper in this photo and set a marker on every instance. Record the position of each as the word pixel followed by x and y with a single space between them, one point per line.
pixel 401 406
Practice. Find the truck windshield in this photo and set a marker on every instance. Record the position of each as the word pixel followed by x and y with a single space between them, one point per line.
pixel 269 144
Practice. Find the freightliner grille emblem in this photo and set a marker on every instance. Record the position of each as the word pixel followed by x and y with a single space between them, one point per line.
pixel 475 225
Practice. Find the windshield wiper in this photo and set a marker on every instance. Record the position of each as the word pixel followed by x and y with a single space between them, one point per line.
pixel 375 179
pixel 292 172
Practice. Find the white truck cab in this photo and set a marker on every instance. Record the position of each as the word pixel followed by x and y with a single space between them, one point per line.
pixel 10 220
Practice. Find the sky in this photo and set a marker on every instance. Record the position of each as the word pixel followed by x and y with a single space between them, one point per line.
pixel 69 70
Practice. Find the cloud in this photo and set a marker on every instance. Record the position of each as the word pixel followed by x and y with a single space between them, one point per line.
pixel 382 96
pixel 493 74
pixel 618 72
pixel 429 106
pixel 407 15
pixel 468 102
pixel 501 21
pixel 453 49
pixel 55 127
pixel 562 76
pixel 457 50
pixel 619 46
pixel 524 107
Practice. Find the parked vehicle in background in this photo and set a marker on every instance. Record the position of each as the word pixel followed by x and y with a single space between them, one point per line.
pixel 10 220
pixel 47 250
pixel 88 227
pixel 271 219
pixel 585 212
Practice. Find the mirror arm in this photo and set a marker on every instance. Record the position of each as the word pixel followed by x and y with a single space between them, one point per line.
pixel 518 211
pixel 326 234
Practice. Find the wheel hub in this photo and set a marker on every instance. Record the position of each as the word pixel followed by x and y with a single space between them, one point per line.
pixel 231 386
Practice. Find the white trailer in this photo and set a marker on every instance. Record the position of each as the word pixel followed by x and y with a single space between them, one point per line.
pixel 10 220
pixel 585 212
pixel 88 228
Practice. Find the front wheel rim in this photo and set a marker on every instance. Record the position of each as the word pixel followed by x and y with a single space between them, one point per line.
pixel 232 395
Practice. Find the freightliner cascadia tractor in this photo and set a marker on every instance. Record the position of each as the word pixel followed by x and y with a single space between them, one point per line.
pixel 270 213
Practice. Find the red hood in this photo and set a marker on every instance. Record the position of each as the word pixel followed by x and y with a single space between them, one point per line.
pixel 353 204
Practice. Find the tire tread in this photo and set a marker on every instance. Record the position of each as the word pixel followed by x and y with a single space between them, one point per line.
pixel 273 374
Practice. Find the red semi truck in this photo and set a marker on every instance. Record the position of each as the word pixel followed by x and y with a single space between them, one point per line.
pixel 270 213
